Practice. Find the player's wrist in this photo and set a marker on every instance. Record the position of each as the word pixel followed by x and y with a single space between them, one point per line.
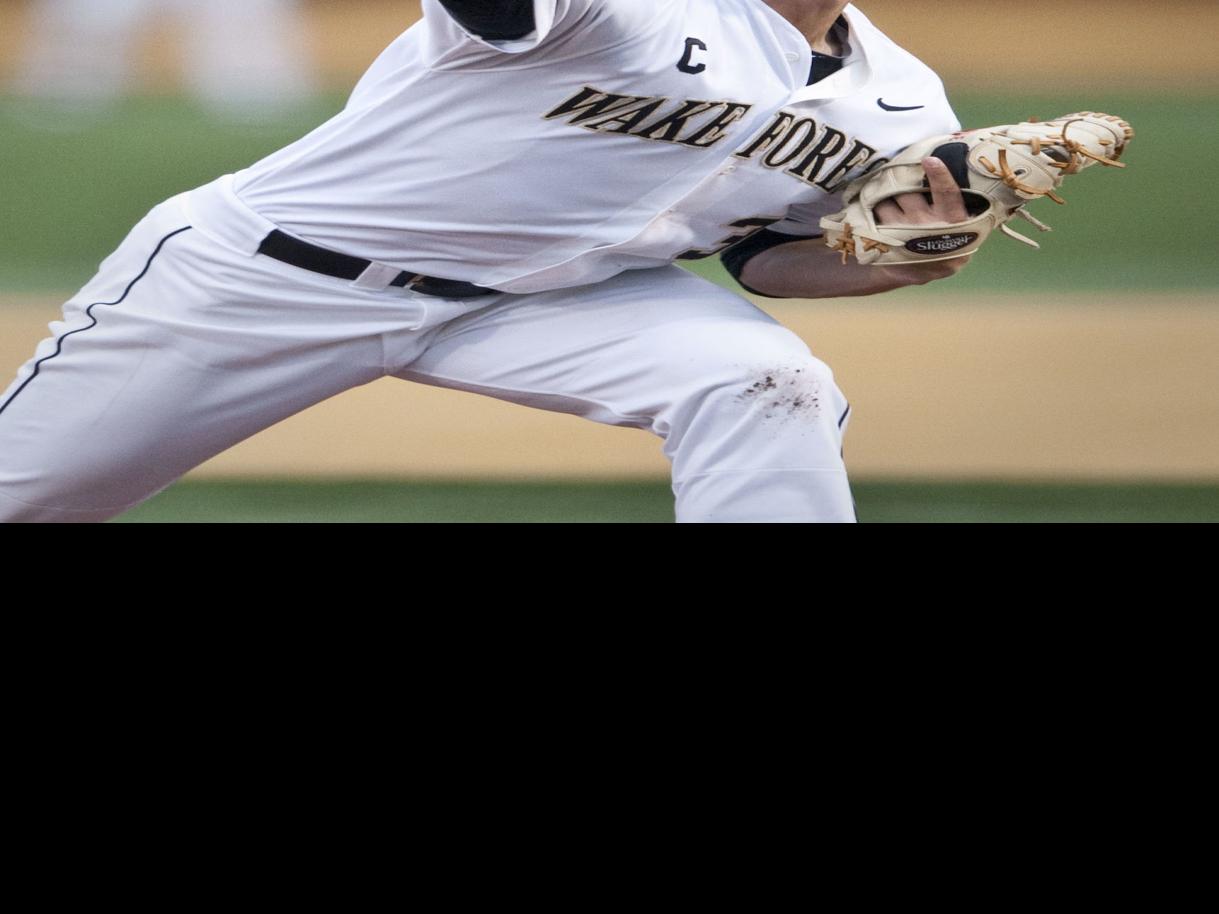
pixel 919 274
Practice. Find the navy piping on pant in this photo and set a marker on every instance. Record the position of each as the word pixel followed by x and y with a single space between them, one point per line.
pixel 89 313
pixel 842 453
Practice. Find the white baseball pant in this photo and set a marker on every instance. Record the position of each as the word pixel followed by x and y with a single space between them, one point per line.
pixel 187 342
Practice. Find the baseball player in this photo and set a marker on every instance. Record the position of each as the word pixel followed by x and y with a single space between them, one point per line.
pixel 498 209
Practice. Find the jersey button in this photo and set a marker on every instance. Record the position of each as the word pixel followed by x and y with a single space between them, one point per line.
pixel 792 56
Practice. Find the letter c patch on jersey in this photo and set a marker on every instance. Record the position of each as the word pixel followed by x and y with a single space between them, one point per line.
pixel 686 64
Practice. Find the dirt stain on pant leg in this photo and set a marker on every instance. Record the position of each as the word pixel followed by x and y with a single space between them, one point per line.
pixel 785 393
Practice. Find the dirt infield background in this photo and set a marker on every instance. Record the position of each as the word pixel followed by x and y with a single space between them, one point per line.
pixel 1038 44
pixel 1102 387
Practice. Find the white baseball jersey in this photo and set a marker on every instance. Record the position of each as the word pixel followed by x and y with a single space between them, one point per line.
pixel 621 134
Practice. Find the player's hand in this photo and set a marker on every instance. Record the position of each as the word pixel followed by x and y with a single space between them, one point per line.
pixel 947 206
pixel 947 202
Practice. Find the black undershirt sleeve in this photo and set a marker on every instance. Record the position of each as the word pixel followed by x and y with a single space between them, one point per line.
pixel 739 254
pixel 494 20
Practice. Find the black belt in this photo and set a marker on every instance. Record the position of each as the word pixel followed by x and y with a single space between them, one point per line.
pixel 308 256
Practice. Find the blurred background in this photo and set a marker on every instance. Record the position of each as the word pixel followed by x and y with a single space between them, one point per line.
pixel 1080 382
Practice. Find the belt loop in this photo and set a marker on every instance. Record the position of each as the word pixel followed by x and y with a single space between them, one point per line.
pixel 377 277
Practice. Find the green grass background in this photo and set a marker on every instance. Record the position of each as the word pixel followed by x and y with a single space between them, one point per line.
pixel 70 190
pixel 652 502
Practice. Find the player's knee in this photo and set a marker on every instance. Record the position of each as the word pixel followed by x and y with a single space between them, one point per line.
pixel 13 511
pixel 62 478
pixel 762 375
pixel 791 388
pixel 770 362
pixel 768 404
pixel 42 498
pixel 715 351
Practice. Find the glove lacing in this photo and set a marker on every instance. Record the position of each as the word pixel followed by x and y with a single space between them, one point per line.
pixel 1075 151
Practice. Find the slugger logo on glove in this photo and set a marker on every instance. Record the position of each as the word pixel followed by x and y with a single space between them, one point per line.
pixel 998 170
pixel 941 244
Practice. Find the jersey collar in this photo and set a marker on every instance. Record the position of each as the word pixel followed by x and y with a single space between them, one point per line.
pixel 856 70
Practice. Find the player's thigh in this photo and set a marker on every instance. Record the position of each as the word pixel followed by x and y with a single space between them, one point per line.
pixel 657 349
pixel 175 351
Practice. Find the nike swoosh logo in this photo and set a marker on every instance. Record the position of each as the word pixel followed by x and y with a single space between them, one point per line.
pixel 881 102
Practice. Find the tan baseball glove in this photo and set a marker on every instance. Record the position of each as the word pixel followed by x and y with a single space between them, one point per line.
pixel 999 170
